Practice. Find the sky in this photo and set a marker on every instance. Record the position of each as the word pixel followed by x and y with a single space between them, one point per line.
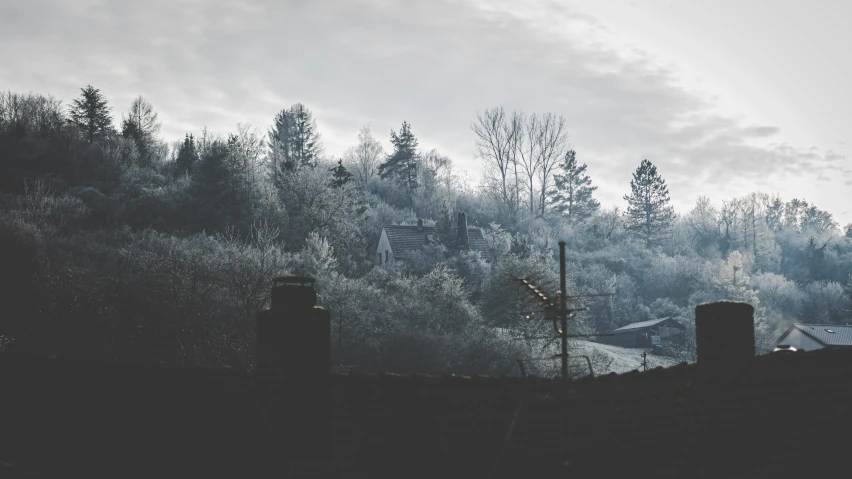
pixel 725 97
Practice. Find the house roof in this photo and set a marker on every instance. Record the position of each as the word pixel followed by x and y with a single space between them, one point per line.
pixel 407 239
pixel 826 334
pixel 640 325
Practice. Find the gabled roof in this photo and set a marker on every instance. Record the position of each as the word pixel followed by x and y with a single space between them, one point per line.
pixel 640 325
pixel 826 334
pixel 407 239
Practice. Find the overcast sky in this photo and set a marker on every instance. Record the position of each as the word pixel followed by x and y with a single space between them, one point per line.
pixel 725 97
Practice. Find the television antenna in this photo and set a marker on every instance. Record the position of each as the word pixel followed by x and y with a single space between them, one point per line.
pixel 556 310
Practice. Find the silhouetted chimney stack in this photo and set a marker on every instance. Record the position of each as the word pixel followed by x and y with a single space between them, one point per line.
pixel 419 224
pixel 293 372
pixel 724 335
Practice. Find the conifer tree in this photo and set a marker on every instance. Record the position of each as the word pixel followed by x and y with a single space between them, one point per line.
pixel 649 215
pixel 91 114
pixel 340 175
pixel 573 194
pixel 187 155
pixel 401 165
pixel 218 190
pixel 293 140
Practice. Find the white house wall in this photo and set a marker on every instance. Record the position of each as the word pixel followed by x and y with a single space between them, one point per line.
pixel 384 245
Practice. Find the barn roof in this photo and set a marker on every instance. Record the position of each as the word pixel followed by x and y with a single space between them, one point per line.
pixel 407 239
pixel 641 325
pixel 827 334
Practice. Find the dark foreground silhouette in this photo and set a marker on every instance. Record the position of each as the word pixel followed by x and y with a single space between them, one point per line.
pixel 729 415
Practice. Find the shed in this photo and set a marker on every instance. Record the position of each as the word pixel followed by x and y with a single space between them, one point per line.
pixel 644 334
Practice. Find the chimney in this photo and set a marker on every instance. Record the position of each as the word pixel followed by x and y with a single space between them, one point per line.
pixel 724 335
pixel 462 232
pixel 419 224
pixel 293 373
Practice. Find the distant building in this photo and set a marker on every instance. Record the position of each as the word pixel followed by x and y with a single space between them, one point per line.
pixel 399 243
pixel 644 334
pixel 816 336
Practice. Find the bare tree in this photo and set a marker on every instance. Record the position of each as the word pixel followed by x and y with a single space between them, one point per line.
pixel 553 140
pixel 142 115
pixel 527 148
pixel 496 140
pixel 364 158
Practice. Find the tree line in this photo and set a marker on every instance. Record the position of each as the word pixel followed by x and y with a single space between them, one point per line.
pixel 121 245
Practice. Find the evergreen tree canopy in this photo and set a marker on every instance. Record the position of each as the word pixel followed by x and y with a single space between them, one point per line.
pixel 649 215
pixel 187 155
pixel 91 114
pixel 218 189
pixel 340 175
pixel 293 140
pixel 402 163
pixel 573 195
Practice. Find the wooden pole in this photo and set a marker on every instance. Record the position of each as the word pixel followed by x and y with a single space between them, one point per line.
pixel 563 313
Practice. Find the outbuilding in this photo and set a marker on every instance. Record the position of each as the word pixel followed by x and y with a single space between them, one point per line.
pixel 644 334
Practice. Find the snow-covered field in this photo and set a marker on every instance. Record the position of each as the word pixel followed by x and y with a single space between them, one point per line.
pixel 623 359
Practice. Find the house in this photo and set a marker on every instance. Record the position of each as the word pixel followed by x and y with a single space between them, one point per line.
pixel 644 334
pixel 816 336
pixel 399 243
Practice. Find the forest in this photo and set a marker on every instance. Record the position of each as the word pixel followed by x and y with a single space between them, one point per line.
pixel 118 245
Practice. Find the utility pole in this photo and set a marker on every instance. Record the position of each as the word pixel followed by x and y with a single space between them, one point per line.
pixel 563 313
pixel 554 311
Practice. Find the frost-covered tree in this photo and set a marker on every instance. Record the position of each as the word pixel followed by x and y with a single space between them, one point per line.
pixel 572 196
pixel 363 159
pixel 142 125
pixel 402 164
pixel 293 140
pixel 649 214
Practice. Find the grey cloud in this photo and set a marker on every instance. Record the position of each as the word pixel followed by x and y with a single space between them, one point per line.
pixel 434 64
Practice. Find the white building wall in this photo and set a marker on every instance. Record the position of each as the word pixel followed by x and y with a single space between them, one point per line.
pixel 384 247
pixel 799 340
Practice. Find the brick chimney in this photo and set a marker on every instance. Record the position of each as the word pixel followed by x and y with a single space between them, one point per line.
pixel 293 373
pixel 463 243
pixel 724 335
pixel 419 224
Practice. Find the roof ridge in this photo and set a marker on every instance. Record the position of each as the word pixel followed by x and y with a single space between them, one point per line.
pixel 825 325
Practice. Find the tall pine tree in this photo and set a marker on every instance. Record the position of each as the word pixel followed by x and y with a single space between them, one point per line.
pixel 649 215
pixel 293 140
pixel 91 114
pixel 572 196
pixel 402 164
pixel 187 155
